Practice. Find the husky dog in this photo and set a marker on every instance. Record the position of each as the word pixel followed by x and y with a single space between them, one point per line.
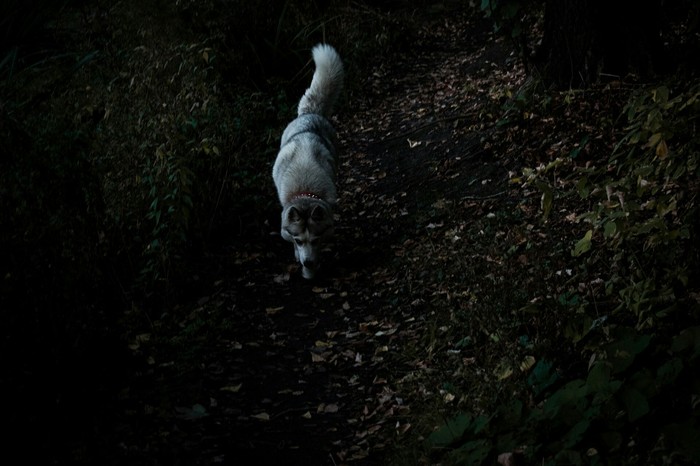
pixel 305 170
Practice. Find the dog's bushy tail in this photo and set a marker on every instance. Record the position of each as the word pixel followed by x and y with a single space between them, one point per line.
pixel 326 84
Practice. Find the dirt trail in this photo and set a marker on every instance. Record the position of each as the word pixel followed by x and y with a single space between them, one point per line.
pixel 310 372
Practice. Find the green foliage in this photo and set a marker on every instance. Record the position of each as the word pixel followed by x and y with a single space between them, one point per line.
pixel 542 376
pixel 169 185
pixel 644 212
pixel 636 336
pixel 540 178
pixel 631 379
pixel 21 26
pixel 513 19
pixel 506 15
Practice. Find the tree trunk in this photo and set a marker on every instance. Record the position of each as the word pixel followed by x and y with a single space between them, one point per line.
pixel 586 41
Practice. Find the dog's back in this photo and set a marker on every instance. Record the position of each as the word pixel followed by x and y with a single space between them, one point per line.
pixel 306 160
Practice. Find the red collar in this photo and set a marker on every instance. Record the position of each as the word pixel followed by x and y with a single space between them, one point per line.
pixel 311 195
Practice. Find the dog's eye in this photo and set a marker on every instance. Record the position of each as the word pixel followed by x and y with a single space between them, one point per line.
pixel 298 241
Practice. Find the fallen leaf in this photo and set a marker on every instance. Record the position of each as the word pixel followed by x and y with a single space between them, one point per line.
pixel 662 150
pixel 136 344
pixel 527 363
pixel 402 428
pixel 231 388
pixel 331 408
pixel 374 429
pixel 503 372
pixel 273 310
pixel 195 412
pixel 506 459
pixel 283 278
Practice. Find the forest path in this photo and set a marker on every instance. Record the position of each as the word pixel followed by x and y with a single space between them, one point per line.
pixel 320 372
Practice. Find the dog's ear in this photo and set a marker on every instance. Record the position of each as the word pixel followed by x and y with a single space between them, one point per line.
pixel 293 215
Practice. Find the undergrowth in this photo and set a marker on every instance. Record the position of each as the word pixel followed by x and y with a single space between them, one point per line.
pixel 180 128
pixel 138 141
pixel 626 390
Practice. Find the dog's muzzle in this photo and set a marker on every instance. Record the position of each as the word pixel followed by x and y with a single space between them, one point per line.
pixel 309 270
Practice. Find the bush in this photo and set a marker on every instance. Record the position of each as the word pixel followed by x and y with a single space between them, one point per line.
pixel 629 393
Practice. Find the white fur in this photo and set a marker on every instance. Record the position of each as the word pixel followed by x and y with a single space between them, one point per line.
pixel 305 169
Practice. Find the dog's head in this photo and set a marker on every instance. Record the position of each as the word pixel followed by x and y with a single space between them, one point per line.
pixel 307 223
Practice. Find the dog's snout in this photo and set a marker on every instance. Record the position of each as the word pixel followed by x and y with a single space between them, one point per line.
pixel 310 263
